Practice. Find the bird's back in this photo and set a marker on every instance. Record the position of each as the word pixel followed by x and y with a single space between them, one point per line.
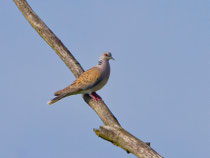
pixel 83 83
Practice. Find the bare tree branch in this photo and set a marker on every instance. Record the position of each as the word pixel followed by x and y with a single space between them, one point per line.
pixel 111 131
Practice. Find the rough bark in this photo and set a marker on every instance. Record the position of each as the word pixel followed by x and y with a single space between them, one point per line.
pixel 111 131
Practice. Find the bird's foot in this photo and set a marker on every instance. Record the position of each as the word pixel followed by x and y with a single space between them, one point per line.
pixel 95 96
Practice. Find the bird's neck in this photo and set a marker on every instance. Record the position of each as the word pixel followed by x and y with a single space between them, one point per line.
pixel 104 66
pixel 103 63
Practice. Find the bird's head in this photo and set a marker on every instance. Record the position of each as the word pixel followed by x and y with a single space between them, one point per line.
pixel 106 56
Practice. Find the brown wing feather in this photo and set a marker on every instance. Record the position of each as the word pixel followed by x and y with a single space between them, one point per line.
pixel 85 81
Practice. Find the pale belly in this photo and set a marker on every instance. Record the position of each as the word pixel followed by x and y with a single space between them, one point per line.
pixel 101 84
pixel 95 88
pixel 98 86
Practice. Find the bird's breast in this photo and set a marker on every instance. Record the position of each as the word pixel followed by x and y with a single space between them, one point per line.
pixel 104 78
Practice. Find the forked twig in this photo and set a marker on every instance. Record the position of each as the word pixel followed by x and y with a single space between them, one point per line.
pixel 111 131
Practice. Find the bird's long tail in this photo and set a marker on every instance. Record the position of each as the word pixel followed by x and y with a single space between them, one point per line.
pixel 59 97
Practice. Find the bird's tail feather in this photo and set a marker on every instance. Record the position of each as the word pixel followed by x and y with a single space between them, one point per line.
pixel 57 99
pixel 66 90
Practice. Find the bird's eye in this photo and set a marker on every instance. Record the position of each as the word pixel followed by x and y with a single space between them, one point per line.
pixel 106 55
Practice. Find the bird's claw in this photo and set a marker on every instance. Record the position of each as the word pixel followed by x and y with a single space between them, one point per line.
pixel 95 96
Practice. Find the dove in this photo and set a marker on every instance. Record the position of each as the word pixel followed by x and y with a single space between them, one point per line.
pixel 89 81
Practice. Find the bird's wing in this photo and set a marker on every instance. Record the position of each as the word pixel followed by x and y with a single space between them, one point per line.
pixel 85 81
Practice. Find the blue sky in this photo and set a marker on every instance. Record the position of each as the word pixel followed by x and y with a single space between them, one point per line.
pixel 158 88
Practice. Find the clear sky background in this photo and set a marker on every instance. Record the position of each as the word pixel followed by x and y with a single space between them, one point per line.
pixel 158 88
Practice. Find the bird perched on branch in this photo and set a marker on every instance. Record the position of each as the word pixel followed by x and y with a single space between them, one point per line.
pixel 89 81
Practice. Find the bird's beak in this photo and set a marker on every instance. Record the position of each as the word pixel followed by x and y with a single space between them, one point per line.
pixel 112 58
